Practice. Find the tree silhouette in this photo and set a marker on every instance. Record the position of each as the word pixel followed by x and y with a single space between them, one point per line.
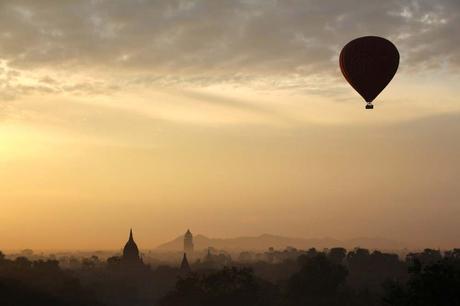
pixel 42 282
pixel 227 287
pixel 436 284
pixel 317 282
pixel 337 255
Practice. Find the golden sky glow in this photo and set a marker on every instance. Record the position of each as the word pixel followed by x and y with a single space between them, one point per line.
pixel 146 116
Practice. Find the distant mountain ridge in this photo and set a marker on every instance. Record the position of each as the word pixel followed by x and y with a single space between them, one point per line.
pixel 265 241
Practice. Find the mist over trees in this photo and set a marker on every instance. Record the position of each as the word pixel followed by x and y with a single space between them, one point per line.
pixel 285 278
pixel 42 282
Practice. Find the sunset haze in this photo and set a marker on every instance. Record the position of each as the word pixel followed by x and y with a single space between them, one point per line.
pixel 230 118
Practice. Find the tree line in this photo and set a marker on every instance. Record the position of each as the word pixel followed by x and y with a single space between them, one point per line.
pixel 314 278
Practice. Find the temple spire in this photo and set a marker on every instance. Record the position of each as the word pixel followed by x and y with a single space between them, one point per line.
pixel 184 266
pixel 131 251
pixel 188 243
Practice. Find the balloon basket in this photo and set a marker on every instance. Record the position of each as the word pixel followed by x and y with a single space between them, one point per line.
pixel 369 106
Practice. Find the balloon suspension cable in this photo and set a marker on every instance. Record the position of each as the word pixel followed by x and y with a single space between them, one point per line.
pixel 369 105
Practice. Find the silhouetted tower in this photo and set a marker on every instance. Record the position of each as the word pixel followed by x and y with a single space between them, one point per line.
pixel 208 257
pixel 184 266
pixel 130 251
pixel 188 243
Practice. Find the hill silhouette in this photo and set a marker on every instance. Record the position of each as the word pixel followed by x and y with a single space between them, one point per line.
pixel 265 241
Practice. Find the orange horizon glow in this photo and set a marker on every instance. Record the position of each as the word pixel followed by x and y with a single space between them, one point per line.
pixel 109 121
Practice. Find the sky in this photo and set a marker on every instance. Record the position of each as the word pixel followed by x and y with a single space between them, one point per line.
pixel 230 118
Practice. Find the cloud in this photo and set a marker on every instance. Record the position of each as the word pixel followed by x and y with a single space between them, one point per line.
pixel 200 42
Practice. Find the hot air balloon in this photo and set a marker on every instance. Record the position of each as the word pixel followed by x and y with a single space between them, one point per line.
pixel 369 63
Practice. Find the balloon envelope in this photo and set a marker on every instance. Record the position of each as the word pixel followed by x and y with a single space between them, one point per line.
pixel 368 64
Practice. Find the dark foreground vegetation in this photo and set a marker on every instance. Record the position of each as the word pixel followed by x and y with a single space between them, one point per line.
pixel 329 278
